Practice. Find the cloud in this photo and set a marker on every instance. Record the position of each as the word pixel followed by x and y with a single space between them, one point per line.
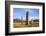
pixel 24 18
pixel 31 18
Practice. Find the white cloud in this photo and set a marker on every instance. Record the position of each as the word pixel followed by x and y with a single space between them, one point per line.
pixel 23 18
pixel 31 18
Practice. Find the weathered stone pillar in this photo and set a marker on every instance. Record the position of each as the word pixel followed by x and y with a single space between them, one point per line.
pixel 27 18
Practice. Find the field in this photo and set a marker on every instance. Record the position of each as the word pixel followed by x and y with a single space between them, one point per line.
pixel 23 24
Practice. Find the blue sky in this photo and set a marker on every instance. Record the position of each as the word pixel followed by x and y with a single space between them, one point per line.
pixel 21 12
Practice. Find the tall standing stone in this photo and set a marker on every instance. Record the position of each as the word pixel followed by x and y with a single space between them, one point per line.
pixel 27 18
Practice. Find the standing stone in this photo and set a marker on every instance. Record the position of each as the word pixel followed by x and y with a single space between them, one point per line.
pixel 27 18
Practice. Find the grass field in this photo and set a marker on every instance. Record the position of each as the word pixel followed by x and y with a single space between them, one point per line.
pixel 18 25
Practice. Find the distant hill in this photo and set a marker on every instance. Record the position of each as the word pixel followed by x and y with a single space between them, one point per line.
pixel 19 20
pixel 36 20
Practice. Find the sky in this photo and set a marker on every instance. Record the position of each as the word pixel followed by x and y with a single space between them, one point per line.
pixel 21 12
